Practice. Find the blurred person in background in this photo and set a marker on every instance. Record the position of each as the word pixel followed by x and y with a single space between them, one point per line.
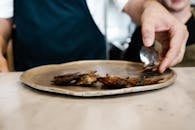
pixel 50 32
pixel 184 12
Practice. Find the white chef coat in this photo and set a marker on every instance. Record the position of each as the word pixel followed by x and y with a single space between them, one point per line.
pixel 6 8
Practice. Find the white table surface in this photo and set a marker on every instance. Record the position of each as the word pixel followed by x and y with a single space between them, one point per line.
pixel 170 108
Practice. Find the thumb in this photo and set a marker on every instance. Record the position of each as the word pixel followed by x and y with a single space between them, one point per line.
pixel 148 33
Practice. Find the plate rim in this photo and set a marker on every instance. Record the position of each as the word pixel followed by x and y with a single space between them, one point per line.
pixel 95 93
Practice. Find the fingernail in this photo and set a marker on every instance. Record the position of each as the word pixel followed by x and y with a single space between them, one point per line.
pixel 148 42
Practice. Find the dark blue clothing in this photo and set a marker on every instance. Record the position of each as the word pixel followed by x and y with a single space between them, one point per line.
pixel 54 31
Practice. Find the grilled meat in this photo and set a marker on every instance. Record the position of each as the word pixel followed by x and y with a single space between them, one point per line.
pixel 114 82
pixel 90 78
pixel 77 78
pixel 87 78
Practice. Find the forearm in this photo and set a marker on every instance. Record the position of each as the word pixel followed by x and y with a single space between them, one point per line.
pixel 5 33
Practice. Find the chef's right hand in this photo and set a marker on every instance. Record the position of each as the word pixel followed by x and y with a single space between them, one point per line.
pixel 3 64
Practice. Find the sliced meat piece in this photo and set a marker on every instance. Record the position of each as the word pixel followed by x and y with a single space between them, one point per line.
pixel 113 82
pixel 77 78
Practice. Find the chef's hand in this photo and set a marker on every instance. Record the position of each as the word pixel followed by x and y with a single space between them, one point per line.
pixel 157 22
pixel 3 64
pixel 3 61
pixel 5 33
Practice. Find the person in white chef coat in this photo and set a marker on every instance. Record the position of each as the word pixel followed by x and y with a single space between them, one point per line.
pixel 63 31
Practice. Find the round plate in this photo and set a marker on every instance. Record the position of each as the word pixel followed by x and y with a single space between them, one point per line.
pixel 40 77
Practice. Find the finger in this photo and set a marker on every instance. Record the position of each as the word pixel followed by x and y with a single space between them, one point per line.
pixel 148 32
pixel 176 48
pixel 172 52
pixel 4 69
pixel 167 60
pixel 3 65
pixel 179 58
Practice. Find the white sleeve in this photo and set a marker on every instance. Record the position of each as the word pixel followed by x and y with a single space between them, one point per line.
pixel 120 3
pixel 97 12
pixel 6 8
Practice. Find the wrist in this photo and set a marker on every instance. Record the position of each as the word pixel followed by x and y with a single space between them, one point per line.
pixel 2 57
